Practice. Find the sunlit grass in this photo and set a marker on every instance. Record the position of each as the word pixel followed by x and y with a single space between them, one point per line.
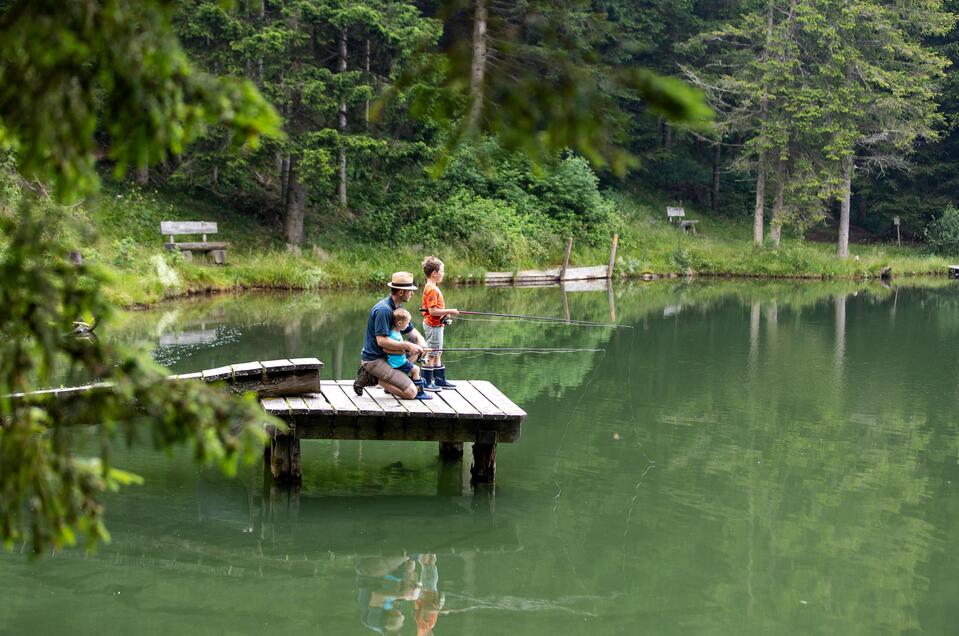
pixel 143 272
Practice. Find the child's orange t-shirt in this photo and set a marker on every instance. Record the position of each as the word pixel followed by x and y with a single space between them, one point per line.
pixel 432 298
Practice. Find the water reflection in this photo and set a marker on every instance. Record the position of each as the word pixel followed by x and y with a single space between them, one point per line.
pixel 805 446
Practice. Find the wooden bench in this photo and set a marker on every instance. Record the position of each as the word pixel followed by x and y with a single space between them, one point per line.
pixel 678 216
pixel 216 249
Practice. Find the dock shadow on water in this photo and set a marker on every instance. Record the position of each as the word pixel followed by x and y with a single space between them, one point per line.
pixel 749 458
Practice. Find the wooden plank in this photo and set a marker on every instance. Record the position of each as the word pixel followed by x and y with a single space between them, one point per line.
pixel 457 402
pixel 274 366
pixel 438 407
pixel 168 228
pixel 337 399
pixel 479 401
pixel 220 373
pixel 496 397
pixel 245 369
pixel 587 273
pixel 317 403
pixel 306 363
pixel 387 402
pixel 365 404
pixel 417 408
pixel 674 212
pixel 190 376
pixel 275 406
pixel 297 406
pixel 199 246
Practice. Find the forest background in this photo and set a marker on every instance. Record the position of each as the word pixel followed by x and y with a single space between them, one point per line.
pixel 830 118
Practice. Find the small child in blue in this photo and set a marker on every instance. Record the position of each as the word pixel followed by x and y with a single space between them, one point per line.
pixel 399 361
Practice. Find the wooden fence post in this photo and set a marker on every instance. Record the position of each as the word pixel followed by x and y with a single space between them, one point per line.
pixel 612 256
pixel 569 249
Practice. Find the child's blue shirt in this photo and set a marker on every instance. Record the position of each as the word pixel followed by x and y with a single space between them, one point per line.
pixel 396 360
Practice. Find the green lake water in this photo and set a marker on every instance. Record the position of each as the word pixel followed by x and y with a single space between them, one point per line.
pixel 749 458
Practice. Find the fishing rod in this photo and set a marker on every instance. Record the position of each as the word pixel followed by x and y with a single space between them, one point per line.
pixel 580 323
pixel 517 349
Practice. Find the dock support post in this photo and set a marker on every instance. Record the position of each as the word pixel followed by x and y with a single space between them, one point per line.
pixel 284 456
pixel 484 463
pixel 451 450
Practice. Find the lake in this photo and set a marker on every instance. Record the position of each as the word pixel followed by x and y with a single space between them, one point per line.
pixel 748 458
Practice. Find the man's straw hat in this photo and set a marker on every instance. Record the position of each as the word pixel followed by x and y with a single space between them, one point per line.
pixel 402 280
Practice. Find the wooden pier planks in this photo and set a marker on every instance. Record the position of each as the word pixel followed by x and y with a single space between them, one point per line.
pixel 474 412
pixel 268 378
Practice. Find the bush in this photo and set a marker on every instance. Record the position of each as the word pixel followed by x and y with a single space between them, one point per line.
pixel 491 230
pixel 942 235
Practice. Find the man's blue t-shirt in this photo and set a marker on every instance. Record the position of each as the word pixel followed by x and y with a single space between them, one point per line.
pixel 379 324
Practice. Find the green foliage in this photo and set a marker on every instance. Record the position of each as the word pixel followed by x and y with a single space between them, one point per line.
pixel 72 74
pixel 48 494
pixel 942 234
pixel 491 231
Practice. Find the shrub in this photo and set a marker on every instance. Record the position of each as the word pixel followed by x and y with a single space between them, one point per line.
pixel 942 235
pixel 493 231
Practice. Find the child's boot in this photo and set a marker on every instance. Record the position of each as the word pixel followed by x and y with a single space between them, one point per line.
pixel 439 378
pixel 420 393
pixel 429 379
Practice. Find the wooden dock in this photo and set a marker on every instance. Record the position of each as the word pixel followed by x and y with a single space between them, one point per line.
pixel 291 390
pixel 476 411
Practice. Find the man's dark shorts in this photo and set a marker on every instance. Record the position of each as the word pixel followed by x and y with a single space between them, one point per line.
pixel 381 369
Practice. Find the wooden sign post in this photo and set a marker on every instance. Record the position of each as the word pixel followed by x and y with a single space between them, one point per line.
pixel 895 221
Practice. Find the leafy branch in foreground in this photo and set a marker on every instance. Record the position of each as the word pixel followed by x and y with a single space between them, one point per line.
pixel 48 492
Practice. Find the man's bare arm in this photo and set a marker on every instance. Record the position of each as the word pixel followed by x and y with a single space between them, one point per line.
pixel 389 345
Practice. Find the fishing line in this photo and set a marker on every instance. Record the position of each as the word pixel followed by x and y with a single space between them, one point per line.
pixel 580 323
pixel 519 350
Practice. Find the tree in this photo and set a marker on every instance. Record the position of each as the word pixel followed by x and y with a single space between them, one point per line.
pixel 76 80
pixel 884 81
pixel 321 62
pixel 529 75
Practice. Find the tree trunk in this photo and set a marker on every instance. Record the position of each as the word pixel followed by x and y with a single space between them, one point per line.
pixel 215 173
pixel 760 203
pixel 759 210
pixel 667 135
pixel 714 193
pixel 776 223
pixel 285 164
pixel 142 175
pixel 295 207
pixel 478 66
pixel 848 163
pixel 367 110
pixel 341 189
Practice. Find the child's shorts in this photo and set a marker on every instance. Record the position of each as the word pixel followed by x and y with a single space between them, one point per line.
pixel 406 368
pixel 434 339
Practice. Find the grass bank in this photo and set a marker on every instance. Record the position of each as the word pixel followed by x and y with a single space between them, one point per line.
pixel 129 246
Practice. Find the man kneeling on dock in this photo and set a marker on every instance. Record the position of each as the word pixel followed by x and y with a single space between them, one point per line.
pixel 374 366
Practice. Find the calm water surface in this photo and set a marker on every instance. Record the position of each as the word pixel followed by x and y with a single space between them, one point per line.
pixel 749 458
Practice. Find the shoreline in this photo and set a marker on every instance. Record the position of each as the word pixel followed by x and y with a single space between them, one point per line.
pixel 469 281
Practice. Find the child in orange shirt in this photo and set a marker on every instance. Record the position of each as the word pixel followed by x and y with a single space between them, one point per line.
pixel 435 319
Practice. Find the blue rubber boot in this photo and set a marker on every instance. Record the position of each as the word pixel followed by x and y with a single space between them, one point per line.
pixel 420 393
pixel 429 378
pixel 439 378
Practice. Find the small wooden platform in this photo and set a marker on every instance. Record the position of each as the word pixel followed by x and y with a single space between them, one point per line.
pixel 291 390
pixel 476 411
